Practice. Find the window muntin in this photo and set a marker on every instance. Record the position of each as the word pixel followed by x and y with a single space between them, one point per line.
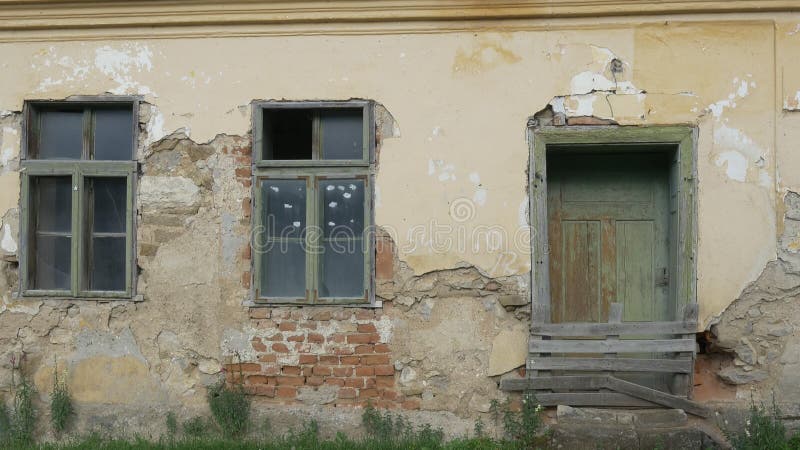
pixel 312 243
pixel 77 199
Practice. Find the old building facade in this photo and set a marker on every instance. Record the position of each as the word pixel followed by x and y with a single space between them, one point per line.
pixel 399 202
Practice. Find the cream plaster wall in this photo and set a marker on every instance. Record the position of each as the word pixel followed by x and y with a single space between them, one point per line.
pixel 461 101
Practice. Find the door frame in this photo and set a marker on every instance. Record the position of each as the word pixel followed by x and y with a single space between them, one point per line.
pixel 685 140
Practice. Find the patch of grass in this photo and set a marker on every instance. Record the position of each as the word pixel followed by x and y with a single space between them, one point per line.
pixel 230 406
pixel 195 428
pixel 172 425
pixel 763 430
pixel 525 426
pixel 23 418
pixel 61 409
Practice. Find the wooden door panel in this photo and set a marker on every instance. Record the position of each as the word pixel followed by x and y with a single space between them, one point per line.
pixel 580 248
pixel 635 271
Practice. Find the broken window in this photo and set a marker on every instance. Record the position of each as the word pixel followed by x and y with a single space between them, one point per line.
pixel 313 197
pixel 77 207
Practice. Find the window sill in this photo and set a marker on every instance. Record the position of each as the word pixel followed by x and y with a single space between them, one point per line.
pixel 261 304
pixel 17 297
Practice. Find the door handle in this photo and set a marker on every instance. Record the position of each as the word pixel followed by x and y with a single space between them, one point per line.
pixel 662 279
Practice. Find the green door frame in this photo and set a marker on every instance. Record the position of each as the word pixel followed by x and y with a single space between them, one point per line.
pixel 685 140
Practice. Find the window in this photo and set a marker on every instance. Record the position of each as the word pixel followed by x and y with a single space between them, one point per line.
pixel 77 198
pixel 313 202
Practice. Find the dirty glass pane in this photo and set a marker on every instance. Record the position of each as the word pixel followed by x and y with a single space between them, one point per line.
pixel 54 204
pixel 107 267
pixel 60 135
pixel 342 207
pixel 284 208
pixel 283 270
pixel 52 262
pixel 288 133
pixel 342 133
pixel 113 134
pixel 110 203
pixel 342 269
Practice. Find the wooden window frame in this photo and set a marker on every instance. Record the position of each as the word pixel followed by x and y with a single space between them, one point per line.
pixel 313 171
pixel 685 140
pixel 79 171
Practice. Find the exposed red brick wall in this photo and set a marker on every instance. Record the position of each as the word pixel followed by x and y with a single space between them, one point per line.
pixel 304 348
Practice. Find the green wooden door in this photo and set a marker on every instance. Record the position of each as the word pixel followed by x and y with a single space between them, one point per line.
pixel 609 233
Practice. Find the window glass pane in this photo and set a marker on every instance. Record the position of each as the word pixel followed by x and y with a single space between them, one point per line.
pixel 342 133
pixel 285 207
pixel 283 270
pixel 52 262
pixel 61 135
pixel 342 273
pixel 110 203
pixel 107 265
pixel 288 133
pixel 53 210
pixel 113 134
pixel 342 207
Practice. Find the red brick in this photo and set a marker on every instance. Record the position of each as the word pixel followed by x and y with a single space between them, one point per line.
pixel 244 367
pixel 335 381
pixel 384 259
pixel 343 351
pixel 296 338
pixel 412 403
pixel 365 338
pixel 329 359
pixel 367 328
pixel 259 313
pixel 271 370
pixel 322 370
pixel 243 172
pixel 384 370
pixel 247 207
pixel 385 381
pixel 308 359
pixel 309 325
pixel 364 349
pixel 285 392
pixel 281 314
pixel 347 393
pixel 315 381
pixel 247 253
pixel 316 338
pixel 354 360
pixel 257 379
pixel 365 314
pixel 290 381
pixel 365 371
pixel 321 315
pixel 290 370
pixel 342 371
pixel 280 348
pixel 354 382
pixel 337 338
pixel 381 348
pixel 260 389
pixel 268 358
pixel 259 346
pixel 374 360
pixel 388 394
pixel 369 382
pixel 368 393
pixel 287 326
pixel 342 314
pixel 246 279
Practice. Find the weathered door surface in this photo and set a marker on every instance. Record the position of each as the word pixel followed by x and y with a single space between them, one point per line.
pixel 608 231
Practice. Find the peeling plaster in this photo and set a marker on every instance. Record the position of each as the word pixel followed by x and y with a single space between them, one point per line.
pixel 8 244
pixel 442 170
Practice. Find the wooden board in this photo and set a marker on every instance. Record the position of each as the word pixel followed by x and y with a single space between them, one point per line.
pixel 613 364
pixel 607 346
